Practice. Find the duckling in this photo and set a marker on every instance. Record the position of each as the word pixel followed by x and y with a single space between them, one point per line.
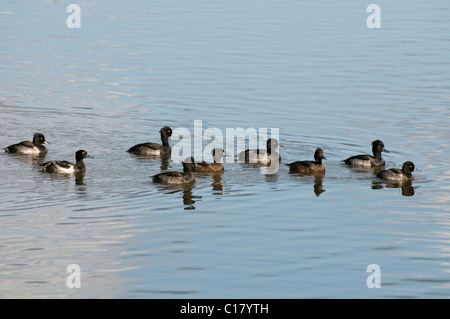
pixel 177 177
pixel 368 160
pixel 309 167
pixel 66 166
pixel 260 156
pixel 154 148
pixel 395 174
pixel 32 148
pixel 204 166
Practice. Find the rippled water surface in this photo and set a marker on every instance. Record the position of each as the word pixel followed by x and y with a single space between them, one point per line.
pixel 314 71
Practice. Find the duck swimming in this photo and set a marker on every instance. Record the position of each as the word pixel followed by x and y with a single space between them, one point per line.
pixel 309 167
pixel 395 174
pixel 368 160
pixel 154 149
pixel 184 177
pixel 260 156
pixel 66 166
pixel 32 148
pixel 204 166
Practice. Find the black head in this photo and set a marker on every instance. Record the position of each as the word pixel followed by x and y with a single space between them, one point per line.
pixel 166 131
pixel 39 138
pixel 318 155
pixel 82 154
pixel 408 167
pixel 378 147
pixel 272 144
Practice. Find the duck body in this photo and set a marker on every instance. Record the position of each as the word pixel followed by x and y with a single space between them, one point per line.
pixel 400 175
pixel 154 149
pixel 368 160
pixel 260 156
pixel 177 178
pixel 205 167
pixel 309 167
pixel 66 166
pixel 29 148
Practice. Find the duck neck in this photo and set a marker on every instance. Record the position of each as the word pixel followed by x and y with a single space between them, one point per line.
pixel 187 170
pixel 80 164
pixel 376 153
pixel 407 172
pixel 217 159
pixel 164 140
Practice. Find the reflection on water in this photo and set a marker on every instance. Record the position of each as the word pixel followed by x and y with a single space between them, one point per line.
pixel 318 188
pixel 407 189
pixel 217 184
pixel 149 159
pixel 29 159
pixel 187 190
pixel 316 179
pixel 365 170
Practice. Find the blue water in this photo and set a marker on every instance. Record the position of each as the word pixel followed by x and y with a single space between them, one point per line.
pixel 314 71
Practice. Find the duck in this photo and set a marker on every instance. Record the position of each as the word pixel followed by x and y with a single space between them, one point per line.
pixel 368 160
pixel 205 167
pixel 260 156
pixel 177 178
pixel 66 166
pixel 27 147
pixel 309 167
pixel 154 149
pixel 395 174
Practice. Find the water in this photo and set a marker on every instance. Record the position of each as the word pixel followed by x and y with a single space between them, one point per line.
pixel 312 70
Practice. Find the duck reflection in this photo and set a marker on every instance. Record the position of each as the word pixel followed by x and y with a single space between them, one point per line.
pixel 164 164
pixel 365 170
pixel 318 188
pixel 56 176
pixel 29 159
pixel 79 178
pixel 186 189
pixel 318 181
pixel 217 183
pixel 406 186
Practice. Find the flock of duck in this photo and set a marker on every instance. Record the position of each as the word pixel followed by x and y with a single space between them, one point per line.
pixel 256 156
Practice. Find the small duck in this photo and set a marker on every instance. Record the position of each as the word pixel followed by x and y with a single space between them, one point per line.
pixel 260 156
pixel 66 166
pixel 177 177
pixel 368 160
pixel 204 166
pixel 309 167
pixel 154 149
pixel 31 148
pixel 395 174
